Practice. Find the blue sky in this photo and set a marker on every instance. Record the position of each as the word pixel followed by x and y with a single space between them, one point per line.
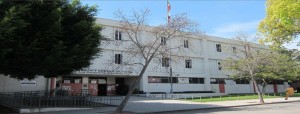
pixel 222 18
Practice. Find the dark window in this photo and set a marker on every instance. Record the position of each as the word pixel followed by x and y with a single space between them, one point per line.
pixel 276 82
pixel 279 82
pixel 188 63
pixel 165 79
pixel 234 50
pixel 196 80
pixel 165 62
pixel 186 44
pixel 218 47
pixel 118 35
pixel 174 80
pixel 219 66
pixel 217 81
pixel 118 58
pixel 242 81
pixel 163 40
pixel 72 79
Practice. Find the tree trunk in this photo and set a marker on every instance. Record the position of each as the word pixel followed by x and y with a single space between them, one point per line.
pixel 131 89
pixel 261 99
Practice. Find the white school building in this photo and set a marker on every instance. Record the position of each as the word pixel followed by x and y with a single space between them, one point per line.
pixel 196 69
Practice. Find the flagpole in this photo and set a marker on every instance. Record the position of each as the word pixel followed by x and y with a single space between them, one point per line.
pixel 170 60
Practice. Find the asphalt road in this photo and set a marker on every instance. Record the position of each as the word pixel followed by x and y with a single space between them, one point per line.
pixel 280 108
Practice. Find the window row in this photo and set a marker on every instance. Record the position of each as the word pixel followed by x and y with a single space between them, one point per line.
pixel 165 62
pixel 118 36
pixel 182 80
pixel 219 48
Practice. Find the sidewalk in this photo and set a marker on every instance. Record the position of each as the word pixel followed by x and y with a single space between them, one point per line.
pixel 151 106
pixel 148 105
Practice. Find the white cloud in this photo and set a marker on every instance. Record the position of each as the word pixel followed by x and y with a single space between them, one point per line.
pixel 229 30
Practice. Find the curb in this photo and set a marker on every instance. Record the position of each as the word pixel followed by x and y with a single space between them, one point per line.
pixel 218 107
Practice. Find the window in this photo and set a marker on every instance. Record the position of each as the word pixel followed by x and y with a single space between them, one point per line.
pixel 118 58
pixel 158 79
pixel 196 80
pixel 186 44
pixel 234 50
pixel 153 79
pixel 72 79
pixel 218 47
pixel 165 79
pixel 219 66
pixel 217 81
pixel 118 35
pixel 174 80
pixel 279 82
pixel 242 81
pixel 163 40
pixel 165 62
pixel 188 63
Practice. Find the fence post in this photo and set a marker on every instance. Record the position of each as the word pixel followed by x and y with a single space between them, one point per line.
pixel 40 101
pixel 200 98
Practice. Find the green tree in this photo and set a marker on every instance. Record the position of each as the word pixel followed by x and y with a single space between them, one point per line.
pixel 282 21
pixel 46 37
pixel 260 66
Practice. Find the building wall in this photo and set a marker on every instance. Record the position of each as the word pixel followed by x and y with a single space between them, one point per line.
pixel 8 84
pixel 202 51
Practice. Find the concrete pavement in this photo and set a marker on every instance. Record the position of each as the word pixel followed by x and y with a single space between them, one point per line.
pixel 149 105
pixel 137 105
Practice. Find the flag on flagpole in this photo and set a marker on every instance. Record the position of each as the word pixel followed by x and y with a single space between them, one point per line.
pixel 169 9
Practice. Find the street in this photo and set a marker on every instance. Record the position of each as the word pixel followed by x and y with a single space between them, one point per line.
pixel 280 108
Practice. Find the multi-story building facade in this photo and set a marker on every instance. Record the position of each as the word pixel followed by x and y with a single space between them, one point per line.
pixel 197 68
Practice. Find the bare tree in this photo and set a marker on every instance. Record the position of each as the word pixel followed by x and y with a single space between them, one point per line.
pixel 149 42
pixel 246 62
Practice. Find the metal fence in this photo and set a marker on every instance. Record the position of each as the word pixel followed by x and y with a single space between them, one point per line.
pixel 42 99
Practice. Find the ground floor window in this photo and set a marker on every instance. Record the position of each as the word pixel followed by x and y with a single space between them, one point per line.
pixel 196 80
pixel 160 79
pixel 217 81
pixel 72 80
pixel 241 81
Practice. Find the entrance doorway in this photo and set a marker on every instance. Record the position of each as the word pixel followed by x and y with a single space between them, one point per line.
pixel 102 89
pixel 222 88
pixel 121 88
